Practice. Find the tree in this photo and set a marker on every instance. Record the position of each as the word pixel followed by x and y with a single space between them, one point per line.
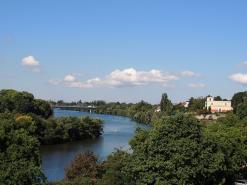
pixel 60 102
pixel 19 154
pixel 217 98
pixel 179 108
pixel 83 165
pixel 13 101
pixel 42 108
pixel 237 99
pixel 197 104
pixel 23 102
pixel 175 152
pixel 241 110
pixel 113 169
pixel 98 103
pixel 230 134
pixel 64 129
pixel 165 104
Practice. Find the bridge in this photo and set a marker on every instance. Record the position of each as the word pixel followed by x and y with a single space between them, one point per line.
pixel 75 107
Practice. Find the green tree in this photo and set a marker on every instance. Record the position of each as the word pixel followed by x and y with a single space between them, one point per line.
pixel 23 102
pixel 42 108
pixel 241 110
pixel 230 134
pixel 64 129
pixel 175 152
pixel 98 103
pixel 165 104
pixel 237 99
pixel 19 155
pixel 179 108
pixel 197 104
pixel 217 98
pixel 13 101
pixel 112 169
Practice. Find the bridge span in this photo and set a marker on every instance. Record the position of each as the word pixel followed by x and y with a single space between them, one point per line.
pixel 76 107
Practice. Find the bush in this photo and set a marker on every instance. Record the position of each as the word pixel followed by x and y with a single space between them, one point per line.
pixel 83 165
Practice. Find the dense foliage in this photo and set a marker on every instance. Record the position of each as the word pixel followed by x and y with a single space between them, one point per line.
pixel 217 98
pixel 197 104
pixel 19 153
pixel 65 129
pixel 23 102
pixel 230 133
pixel 175 152
pixel 84 165
pixel 237 99
pixel 241 110
pixel 141 112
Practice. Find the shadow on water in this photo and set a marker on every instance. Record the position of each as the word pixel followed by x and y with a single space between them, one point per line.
pixel 117 133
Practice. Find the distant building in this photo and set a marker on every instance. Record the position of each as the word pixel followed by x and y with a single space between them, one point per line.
pixel 218 106
pixel 158 109
pixel 186 104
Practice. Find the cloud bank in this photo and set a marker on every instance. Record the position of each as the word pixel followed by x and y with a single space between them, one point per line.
pixel 122 78
pixel 239 78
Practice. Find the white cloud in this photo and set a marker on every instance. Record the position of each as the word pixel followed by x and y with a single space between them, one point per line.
pixel 188 74
pixel 245 62
pixel 84 85
pixel 29 61
pixel 69 78
pixel 240 78
pixel 129 77
pixel 197 85
pixel 54 81
pixel 122 78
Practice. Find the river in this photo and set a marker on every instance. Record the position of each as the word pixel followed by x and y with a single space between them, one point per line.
pixel 117 133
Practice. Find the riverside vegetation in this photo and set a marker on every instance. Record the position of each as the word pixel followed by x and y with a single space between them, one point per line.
pixel 142 112
pixel 25 123
pixel 178 149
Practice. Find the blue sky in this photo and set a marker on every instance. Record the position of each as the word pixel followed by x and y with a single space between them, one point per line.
pixel 123 50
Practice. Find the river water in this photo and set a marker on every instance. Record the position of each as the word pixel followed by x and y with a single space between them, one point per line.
pixel 117 133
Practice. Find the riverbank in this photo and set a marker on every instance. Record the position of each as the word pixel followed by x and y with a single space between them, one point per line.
pixel 118 130
pixel 141 112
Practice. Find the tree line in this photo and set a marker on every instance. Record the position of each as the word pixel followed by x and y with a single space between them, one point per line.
pixel 144 112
